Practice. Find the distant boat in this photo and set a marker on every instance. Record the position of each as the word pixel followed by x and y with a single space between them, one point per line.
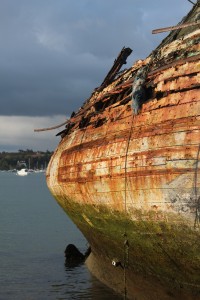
pixel 22 172
pixel 40 171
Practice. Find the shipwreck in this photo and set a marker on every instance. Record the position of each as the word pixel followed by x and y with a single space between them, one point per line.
pixel 126 170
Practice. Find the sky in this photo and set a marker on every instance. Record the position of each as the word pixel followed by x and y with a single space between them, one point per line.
pixel 54 53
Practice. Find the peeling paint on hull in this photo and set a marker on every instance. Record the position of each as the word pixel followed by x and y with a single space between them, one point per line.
pixel 133 179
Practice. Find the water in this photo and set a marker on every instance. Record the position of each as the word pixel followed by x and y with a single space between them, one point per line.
pixel 34 232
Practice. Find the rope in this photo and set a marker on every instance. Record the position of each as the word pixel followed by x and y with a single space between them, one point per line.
pixel 192 2
pixel 126 159
pixel 126 244
pixel 51 128
pixel 126 261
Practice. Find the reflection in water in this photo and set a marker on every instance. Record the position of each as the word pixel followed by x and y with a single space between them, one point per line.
pixel 80 284
pixel 34 232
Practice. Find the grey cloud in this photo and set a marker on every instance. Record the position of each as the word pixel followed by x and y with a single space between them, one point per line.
pixel 54 53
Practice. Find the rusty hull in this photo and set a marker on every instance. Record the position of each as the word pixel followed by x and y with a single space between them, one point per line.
pixel 117 173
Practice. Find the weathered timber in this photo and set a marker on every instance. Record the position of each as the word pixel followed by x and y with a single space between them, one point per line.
pixel 165 29
pixel 120 60
pixel 134 180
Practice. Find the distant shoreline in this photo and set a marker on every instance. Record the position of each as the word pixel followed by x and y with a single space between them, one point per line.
pixel 29 158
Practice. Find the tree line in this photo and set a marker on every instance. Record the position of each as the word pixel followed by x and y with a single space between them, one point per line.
pixel 32 159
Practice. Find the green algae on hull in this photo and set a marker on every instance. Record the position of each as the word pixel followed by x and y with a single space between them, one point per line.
pixel 165 250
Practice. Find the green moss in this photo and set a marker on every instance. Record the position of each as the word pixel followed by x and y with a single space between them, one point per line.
pixel 166 250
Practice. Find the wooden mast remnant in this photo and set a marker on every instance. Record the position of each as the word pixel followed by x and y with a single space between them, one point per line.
pixel 119 61
pixel 165 29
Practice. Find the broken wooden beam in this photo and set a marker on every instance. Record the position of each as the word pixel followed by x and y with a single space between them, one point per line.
pixel 119 61
pixel 165 29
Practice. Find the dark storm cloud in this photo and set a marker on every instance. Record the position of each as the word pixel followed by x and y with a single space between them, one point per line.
pixel 54 53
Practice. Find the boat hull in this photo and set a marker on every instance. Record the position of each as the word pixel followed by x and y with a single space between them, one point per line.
pixel 152 209
pixel 22 172
pixel 158 257
pixel 130 181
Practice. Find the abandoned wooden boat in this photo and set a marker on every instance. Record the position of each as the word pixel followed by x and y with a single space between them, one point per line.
pixel 126 171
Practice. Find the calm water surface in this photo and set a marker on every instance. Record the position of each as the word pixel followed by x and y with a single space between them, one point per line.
pixel 34 232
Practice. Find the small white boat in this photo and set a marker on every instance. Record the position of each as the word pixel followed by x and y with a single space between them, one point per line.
pixel 22 172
